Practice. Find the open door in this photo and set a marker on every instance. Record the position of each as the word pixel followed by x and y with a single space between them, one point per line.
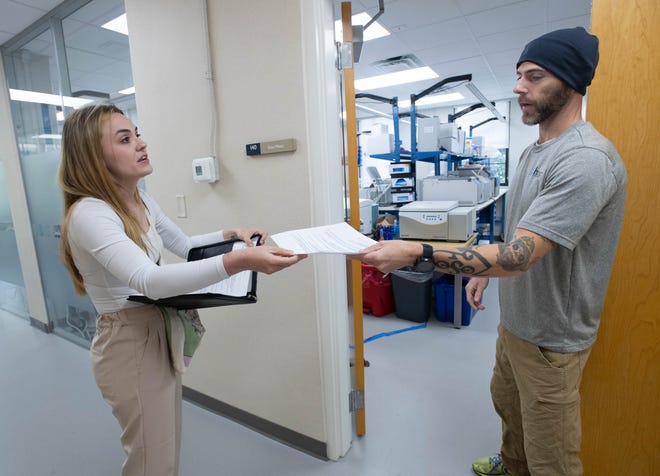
pixel 358 394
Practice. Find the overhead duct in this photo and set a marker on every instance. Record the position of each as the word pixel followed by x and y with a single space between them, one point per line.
pixel 358 32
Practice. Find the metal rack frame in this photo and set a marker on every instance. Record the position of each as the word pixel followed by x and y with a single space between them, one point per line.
pixel 435 156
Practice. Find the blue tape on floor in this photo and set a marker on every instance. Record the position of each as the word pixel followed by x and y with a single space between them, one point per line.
pixel 391 333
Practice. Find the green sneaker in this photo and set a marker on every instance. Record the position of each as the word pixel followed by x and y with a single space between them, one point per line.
pixel 491 466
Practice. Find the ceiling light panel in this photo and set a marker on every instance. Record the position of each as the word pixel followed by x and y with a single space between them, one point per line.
pixel 392 79
pixel 118 24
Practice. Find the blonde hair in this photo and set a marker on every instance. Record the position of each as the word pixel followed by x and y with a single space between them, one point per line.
pixel 83 173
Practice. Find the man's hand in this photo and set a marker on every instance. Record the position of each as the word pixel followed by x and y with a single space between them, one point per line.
pixel 390 255
pixel 474 291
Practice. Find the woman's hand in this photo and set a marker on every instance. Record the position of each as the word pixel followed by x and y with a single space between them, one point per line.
pixel 262 259
pixel 474 291
pixel 245 234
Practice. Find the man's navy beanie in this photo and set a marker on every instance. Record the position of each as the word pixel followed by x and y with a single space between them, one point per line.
pixel 570 54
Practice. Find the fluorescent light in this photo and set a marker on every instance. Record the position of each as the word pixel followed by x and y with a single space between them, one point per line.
pixel 435 99
pixel 59 115
pixel 130 90
pixel 378 113
pixel 43 98
pixel 374 31
pixel 48 136
pixel 391 79
pixel 373 111
pixel 118 24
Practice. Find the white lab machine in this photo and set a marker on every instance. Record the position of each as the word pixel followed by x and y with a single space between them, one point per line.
pixel 435 135
pixel 467 190
pixel 425 220
pixel 461 223
pixel 368 215
pixel 380 143
pixel 403 197
pixel 474 146
pixel 398 168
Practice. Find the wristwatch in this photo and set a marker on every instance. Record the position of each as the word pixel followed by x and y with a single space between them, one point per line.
pixel 424 263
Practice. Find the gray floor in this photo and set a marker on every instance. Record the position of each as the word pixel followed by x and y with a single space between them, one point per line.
pixel 427 404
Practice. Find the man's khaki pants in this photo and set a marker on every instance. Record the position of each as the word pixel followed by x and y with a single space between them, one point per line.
pixel 131 365
pixel 536 392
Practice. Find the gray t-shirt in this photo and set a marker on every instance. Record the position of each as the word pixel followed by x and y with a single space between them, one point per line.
pixel 572 191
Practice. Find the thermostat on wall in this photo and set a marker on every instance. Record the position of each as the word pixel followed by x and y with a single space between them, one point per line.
pixel 205 169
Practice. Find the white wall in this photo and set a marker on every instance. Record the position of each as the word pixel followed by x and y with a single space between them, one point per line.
pixel 267 358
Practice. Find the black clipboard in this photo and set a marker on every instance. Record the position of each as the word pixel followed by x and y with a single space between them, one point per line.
pixel 202 300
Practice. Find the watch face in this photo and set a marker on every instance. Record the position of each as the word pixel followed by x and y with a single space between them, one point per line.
pixel 425 266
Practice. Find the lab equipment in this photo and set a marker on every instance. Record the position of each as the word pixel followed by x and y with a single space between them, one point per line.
pixel 462 223
pixel 368 215
pixel 403 181
pixel 425 220
pixel 434 135
pixel 467 190
pixel 401 168
pixel 403 197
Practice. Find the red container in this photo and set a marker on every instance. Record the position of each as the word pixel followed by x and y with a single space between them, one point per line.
pixel 377 296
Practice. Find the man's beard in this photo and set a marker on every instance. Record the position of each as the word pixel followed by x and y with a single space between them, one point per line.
pixel 549 105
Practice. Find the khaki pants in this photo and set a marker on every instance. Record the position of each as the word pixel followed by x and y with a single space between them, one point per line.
pixel 131 365
pixel 536 392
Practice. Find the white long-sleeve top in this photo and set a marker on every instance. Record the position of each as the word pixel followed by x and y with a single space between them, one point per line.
pixel 113 267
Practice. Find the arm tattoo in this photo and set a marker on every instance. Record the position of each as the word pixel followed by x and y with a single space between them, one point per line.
pixel 516 255
pixel 464 260
pixel 513 256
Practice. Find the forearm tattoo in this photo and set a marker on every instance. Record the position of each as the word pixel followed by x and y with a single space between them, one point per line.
pixel 513 256
pixel 460 261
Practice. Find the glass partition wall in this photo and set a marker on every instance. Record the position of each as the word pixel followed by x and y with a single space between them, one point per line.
pixel 12 287
pixel 67 59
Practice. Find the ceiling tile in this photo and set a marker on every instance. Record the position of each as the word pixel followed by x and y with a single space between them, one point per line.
pixel 437 34
pixel 506 18
pixel 406 15
pixel 15 17
pixel 450 52
pixel 480 37
pixel 560 9
pixel 474 6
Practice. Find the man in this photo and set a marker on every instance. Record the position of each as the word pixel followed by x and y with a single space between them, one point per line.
pixel 564 210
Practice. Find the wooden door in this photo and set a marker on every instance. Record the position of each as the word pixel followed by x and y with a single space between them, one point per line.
pixel 621 386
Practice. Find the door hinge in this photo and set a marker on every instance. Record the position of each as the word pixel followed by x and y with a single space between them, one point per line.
pixel 344 55
pixel 356 400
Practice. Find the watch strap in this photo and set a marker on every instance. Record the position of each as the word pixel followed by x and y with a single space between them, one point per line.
pixel 427 252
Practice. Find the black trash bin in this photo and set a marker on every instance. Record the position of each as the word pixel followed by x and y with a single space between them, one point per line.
pixel 412 294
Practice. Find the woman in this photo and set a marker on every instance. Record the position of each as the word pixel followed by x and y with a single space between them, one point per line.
pixel 112 238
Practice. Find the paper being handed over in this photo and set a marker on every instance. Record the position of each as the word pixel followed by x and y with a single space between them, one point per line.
pixel 340 238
